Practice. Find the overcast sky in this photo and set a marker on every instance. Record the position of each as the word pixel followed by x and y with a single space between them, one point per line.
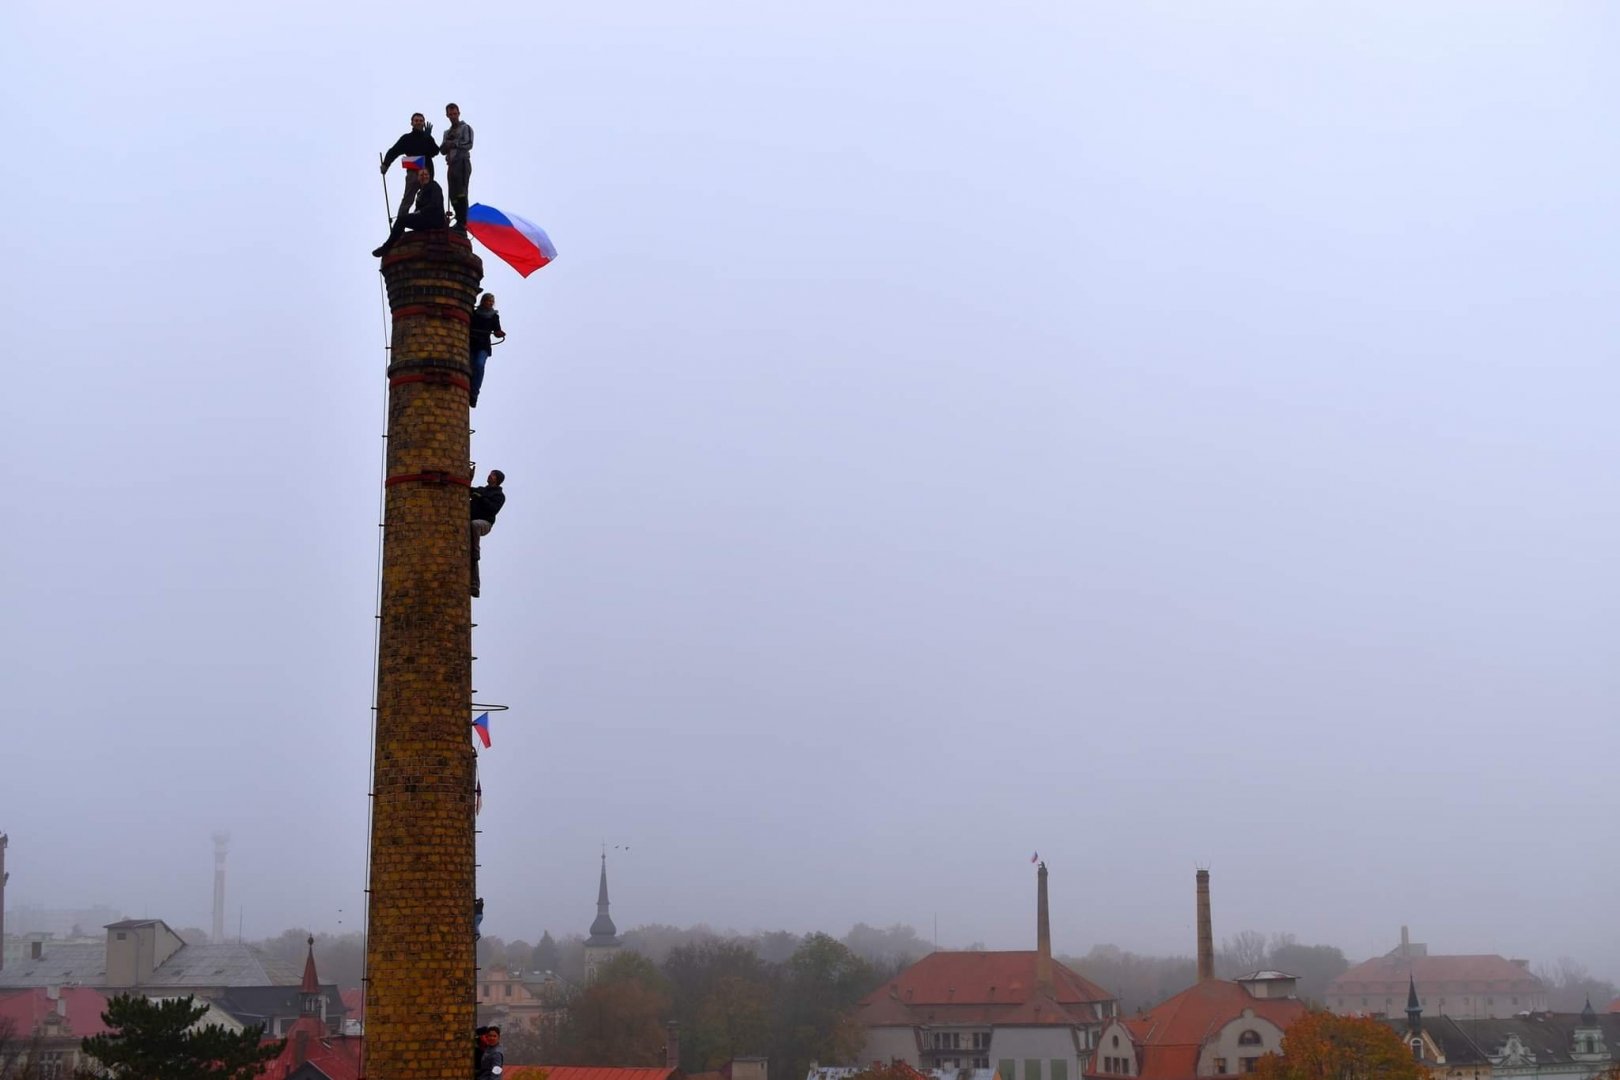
pixel 1156 434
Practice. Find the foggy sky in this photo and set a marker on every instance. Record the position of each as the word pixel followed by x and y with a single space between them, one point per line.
pixel 1154 434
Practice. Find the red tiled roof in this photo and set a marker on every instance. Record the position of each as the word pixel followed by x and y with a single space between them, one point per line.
pixel 588 1072
pixel 981 987
pixel 1388 975
pixel 1614 1006
pixel 27 1009
pixel 336 1056
pixel 1171 1033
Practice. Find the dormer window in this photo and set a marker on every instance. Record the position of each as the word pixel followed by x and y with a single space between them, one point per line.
pixel 1249 1038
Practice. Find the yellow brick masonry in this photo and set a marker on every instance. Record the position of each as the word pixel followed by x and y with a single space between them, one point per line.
pixel 420 967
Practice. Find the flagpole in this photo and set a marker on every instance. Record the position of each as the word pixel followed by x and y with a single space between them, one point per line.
pixel 388 204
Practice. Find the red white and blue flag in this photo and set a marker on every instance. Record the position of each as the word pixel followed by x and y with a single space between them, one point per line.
pixel 481 727
pixel 1033 858
pixel 417 162
pixel 523 244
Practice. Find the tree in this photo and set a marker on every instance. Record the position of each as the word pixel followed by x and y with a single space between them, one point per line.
pixel 619 1018
pixel 1137 981
pixel 1570 985
pixel 546 957
pixel 19 1059
pixel 821 984
pixel 155 1040
pixel 1321 1046
pixel 1242 953
pixel 1315 965
pixel 723 997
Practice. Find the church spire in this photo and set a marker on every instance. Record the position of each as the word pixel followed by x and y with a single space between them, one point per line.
pixel 603 932
pixel 1414 1010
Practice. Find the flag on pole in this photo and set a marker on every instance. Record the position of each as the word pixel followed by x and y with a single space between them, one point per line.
pixel 481 727
pixel 523 244
pixel 417 162
pixel 1033 858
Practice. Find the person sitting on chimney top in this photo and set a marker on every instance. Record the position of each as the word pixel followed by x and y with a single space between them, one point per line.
pixel 429 214
pixel 486 502
pixel 417 142
pixel 491 1059
pixel 485 321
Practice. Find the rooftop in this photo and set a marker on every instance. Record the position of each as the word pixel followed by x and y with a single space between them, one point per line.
pixel 981 987
pixel 1436 974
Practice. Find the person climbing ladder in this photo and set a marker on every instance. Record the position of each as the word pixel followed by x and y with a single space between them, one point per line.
pixel 484 504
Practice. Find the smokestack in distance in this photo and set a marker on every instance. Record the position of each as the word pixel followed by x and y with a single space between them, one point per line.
pixel 1043 937
pixel 1206 931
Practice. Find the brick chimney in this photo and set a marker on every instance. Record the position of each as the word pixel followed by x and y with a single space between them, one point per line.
pixel 1206 931
pixel 4 840
pixel 672 1045
pixel 1043 937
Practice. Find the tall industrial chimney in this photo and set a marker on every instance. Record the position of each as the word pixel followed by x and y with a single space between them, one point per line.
pixel 217 934
pixel 1043 937
pixel 4 840
pixel 1206 931
pixel 420 992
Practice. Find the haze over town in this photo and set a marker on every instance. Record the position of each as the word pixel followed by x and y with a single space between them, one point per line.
pixel 1153 435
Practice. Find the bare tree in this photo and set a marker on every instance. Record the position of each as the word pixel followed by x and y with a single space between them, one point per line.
pixel 1242 953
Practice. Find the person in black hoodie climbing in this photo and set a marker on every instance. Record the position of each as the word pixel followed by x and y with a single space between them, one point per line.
pixel 417 142
pixel 486 502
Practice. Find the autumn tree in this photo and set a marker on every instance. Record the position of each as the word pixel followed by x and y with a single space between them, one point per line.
pixel 1321 1046
pixel 821 983
pixel 546 957
pixel 618 1019
pixel 156 1040
pixel 724 996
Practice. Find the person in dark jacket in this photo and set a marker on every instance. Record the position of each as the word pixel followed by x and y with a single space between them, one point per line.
pixel 491 1059
pixel 429 214
pixel 417 142
pixel 485 321
pixel 486 502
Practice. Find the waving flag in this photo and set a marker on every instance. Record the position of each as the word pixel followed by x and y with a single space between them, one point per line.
pixel 417 162
pixel 1033 858
pixel 523 244
pixel 481 726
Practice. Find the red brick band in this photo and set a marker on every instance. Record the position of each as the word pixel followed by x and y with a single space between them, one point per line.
pixel 443 311
pixel 436 378
pixel 428 478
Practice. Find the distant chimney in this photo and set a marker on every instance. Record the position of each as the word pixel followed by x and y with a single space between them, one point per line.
pixel 672 1045
pixel 1406 944
pixel 1206 931
pixel 1043 937
pixel 221 842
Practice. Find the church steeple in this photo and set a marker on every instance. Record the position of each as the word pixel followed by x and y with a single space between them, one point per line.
pixel 309 990
pixel 603 932
pixel 1414 1010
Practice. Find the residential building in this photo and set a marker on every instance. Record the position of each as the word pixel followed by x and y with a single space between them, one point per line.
pixel 603 944
pixel 1018 1013
pixel 46 1025
pixel 1533 1046
pixel 510 998
pixel 1216 1027
pixel 278 1008
pixel 312 1050
pixel 1481 986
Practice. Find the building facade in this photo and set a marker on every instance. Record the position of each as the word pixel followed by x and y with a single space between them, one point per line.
pixel 1475 987
pixel 1020 1014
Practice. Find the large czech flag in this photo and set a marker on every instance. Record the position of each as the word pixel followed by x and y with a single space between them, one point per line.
pixel 523 244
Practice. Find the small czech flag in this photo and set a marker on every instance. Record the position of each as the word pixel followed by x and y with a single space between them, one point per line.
pixel 1033 858
pixel 417 162
pixel 481 726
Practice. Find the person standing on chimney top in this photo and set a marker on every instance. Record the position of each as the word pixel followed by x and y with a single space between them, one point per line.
pixel 457 148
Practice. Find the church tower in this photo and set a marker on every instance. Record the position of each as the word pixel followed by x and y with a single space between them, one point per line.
pixel 603 944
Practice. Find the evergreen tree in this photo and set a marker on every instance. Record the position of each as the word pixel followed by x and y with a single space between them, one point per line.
pixel 154 1040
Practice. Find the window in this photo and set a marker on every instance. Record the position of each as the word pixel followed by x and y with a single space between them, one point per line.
pixel 508 990
pixel 1006 1067
pixel 1060 1069
pixel 1032 1069
pixel 1249 1064
pixel 1417 1049
pixel 1115 1042
pixel 981 1040
pixel 981 1063
pixel 50 1065
pixel 1220 1066
pixel 1249 1038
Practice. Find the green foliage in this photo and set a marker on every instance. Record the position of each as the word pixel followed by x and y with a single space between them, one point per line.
pixel 154 1040
pixel 822 982
pixel 618 1019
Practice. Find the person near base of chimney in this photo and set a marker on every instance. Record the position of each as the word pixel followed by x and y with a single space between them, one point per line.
pixel 491 1059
